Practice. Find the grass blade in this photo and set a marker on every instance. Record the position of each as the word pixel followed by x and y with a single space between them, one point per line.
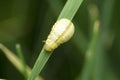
pixel 68 12
pixel 70 9
pixel 20 54
pixel 16 61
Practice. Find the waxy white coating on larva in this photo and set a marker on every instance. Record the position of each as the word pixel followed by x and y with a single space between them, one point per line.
pixel 61 32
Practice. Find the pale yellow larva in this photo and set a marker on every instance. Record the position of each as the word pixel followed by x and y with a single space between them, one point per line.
pixel 61 32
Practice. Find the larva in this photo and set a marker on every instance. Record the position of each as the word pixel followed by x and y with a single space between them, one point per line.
pixel 61 32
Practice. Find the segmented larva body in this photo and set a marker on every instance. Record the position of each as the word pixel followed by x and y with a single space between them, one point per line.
pixel 61 32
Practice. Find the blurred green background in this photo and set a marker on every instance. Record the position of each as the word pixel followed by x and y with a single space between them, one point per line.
pixel 28 22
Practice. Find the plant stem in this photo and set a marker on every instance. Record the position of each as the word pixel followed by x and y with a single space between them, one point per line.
pixel 68 12
pixel 39 64
pixel 16 61
pixel 70 9
pixel 20 54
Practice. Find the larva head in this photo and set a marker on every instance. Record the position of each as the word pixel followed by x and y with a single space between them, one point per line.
pixel 61 32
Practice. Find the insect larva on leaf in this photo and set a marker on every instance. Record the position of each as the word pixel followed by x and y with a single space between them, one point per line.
pixel 61 32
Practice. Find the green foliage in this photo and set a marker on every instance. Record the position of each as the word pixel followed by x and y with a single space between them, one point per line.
pixel 92 53
pixel 68 12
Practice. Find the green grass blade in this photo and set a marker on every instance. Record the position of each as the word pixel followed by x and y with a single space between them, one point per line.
pixel 70 9
pixel 20 54
pixel 68 12
pixel 90 54
pixel 107 11
pixel 94 30
pixel 40 63
pixel 16 61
